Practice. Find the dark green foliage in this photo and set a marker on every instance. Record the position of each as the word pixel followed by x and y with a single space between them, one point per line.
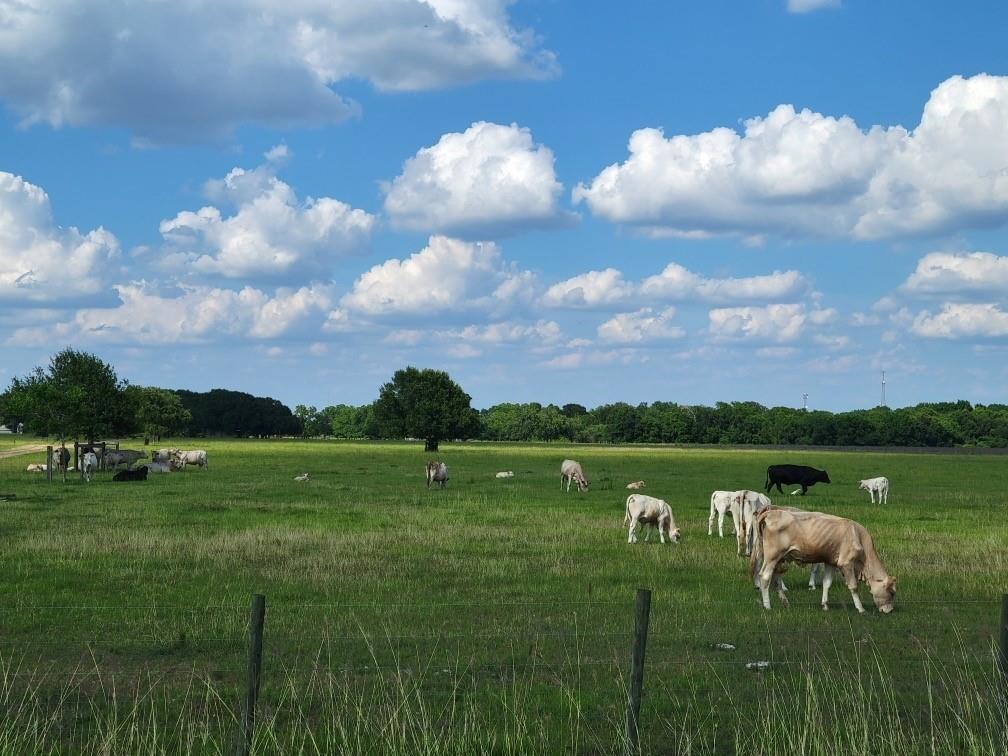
pixel 220 412
pixel 77 396
pixel 158 412
pixel 424 404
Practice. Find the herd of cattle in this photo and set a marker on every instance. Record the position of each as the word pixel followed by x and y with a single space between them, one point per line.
pixel 771 536
pixel 94 458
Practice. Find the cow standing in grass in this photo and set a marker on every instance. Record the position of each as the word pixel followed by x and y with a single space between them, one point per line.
pixel 571 471
pixel 437 472
pixel 874 486
pixel 650 511
pixel 794 474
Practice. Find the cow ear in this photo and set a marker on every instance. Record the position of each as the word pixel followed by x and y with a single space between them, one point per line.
pixel 891 583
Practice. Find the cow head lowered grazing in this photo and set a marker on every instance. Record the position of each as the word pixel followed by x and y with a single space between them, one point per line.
pixel 650 511
pixel 845 546
pixel 571 471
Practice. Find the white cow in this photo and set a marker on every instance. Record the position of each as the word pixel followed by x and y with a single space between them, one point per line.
pixel 748 504
pixel 159 467
pixel 89 464
pixel 878 486
pixel 720 504
pixel 165 455
pixel 302 478
pixel 571 471
pixel 437 472
pixel 641 508
pixel 196 457
pixel 505 474
pixel 36 467
pixel 637 485
pixel 128 457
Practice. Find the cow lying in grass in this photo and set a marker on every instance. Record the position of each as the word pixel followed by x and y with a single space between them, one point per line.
pixel 809 537
pixel 124 475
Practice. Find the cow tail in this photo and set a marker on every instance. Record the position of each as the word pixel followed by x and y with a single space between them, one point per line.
pixel 626 517
pixel 766 487
pixel 757 549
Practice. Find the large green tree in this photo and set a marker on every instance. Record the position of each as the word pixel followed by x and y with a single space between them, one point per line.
pixel 78 395
pixel 425 404
pixel 158 412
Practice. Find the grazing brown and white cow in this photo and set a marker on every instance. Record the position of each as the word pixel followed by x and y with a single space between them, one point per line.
pixel 809 537
pixel 437 472
pixel 651 511
pixel 571 471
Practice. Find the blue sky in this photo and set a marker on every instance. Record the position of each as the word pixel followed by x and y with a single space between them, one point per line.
pixel 555 202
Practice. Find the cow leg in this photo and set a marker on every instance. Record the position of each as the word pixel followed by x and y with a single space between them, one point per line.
pixel 812 573
pixel 720 523
pixel 781 590
pixel 631 536
pixel 710 520
pixel 804 489
pixel 779 489
pixel 827 581
pixel 766 575
pixel 851 581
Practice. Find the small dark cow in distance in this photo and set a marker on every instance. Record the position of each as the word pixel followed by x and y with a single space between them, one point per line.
pixel 794 475
pixel 139 474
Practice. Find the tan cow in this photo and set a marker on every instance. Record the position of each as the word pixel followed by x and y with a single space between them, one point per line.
pixel 637 485
pixel 650 511
pixel 808 537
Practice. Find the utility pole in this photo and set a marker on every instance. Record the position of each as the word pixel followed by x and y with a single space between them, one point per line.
pixel 883 388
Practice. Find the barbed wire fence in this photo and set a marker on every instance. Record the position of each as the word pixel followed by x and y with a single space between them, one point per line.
pixel 556 635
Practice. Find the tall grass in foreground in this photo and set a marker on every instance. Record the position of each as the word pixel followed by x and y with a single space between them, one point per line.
pixel 819 707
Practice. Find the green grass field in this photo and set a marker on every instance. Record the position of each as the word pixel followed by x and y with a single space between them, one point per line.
pixel 492 616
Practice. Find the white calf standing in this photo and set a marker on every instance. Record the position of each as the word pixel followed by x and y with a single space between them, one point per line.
pixel 721 504
pixel 437 472
pixel 89 464
pixel 571 471
pixel 652 511
pixel 878 486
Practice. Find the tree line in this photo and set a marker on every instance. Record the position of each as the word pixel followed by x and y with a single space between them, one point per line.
pixel 79 396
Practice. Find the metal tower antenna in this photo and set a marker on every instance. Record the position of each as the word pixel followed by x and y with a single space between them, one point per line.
pixel 804 402
pixel 883 388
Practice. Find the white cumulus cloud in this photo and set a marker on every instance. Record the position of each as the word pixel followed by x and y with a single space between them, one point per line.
pixel 946 273
pixel 490 180
pixel 41 262
pixel 676 283
pixel 800 173
pixel 962 322
pixel 773 323
pixel 806 6
pixel 643 326
pixel 195 315
pixel 271 235
pixel 447 275
pixel 183 71
pixel 596 288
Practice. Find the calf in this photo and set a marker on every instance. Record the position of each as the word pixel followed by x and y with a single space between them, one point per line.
pixel 720 505
pixel 874 486
pixel 125 475
pixel 505 474
pixel 437 472
pixel 196 457
pixel 571 471
pixel 794 474
pixel 61 459
pixel 809 537
pixel 652 511
pixel 36 467
pixel 89 464
pixel 302 478
pixel 637 485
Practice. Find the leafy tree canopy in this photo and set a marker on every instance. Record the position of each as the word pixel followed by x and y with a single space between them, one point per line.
pixel 424 404
pixel 158 412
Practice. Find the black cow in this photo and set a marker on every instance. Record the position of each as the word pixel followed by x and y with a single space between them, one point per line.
pixel 794 474
pixel 139 474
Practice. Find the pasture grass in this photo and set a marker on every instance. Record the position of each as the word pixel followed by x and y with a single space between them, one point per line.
pixel 491 616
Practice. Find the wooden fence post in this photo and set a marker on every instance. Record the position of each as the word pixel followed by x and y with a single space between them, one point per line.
pixel 48 466
pixel 256 618
pixel 1004 643
pixel 642 612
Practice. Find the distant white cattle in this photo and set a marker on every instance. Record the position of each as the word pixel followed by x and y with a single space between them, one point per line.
pixel 89 464
pixel 128 457
pixel 36 467
pixel 505 474
pixel 437 472
pixel 196 457
pixel 637 485
pixel 159 467
pixel 165 455
pixel 571 471
pixel 649 510
pixel 302 478
pixel 878 486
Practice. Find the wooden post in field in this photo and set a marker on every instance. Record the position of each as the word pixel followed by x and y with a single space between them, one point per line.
pixel 642 612
pixel 76 465
pixel 1004 643
pixel 48 467
pixel 256 618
